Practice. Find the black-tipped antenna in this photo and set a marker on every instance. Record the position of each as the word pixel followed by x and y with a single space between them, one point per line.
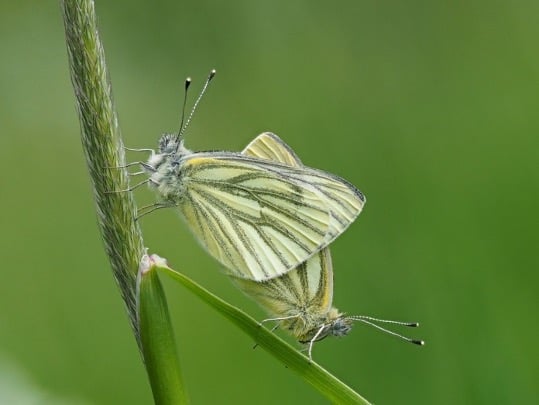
pixel 187 84
pixel 208 80
pixel 371 322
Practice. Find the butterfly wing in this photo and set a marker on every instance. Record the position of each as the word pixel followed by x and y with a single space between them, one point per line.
pixel 305 292
pixel 255 221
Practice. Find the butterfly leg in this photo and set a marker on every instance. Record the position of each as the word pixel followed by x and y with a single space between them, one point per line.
pixel 152 152
pixel 130 188
pixel 151 208
pixel 276 325
pixel 314 339
pixel 284 318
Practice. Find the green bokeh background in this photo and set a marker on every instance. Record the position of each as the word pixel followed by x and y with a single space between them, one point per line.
pixel 430 108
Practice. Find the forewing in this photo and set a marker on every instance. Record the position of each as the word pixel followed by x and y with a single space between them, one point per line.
pixel 305 292
pixel 256 221
pixel 309 287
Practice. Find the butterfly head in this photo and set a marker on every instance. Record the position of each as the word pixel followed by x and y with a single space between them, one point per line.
pixel 168 143
pixel 340 327
pixel 170 150
pixel 172 145
pixel 334 324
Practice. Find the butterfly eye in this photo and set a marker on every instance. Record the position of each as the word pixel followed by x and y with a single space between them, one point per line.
pixel 163 143
pixel 341 327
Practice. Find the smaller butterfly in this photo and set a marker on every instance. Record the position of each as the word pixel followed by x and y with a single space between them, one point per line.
pixel 301 300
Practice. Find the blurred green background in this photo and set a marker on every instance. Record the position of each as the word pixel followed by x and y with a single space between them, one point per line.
pixel 430 108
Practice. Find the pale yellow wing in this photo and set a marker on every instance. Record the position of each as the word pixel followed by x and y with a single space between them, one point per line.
pixel 306 291
pixel 255 220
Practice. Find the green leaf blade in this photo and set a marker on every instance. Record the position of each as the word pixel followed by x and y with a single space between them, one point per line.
pixel 157 339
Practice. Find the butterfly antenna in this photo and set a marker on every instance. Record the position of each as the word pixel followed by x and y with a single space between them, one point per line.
pixel 368 320
pixel 187 84
pixel 184 127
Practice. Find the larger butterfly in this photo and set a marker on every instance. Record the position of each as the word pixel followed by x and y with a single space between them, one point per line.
pixel 260 218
